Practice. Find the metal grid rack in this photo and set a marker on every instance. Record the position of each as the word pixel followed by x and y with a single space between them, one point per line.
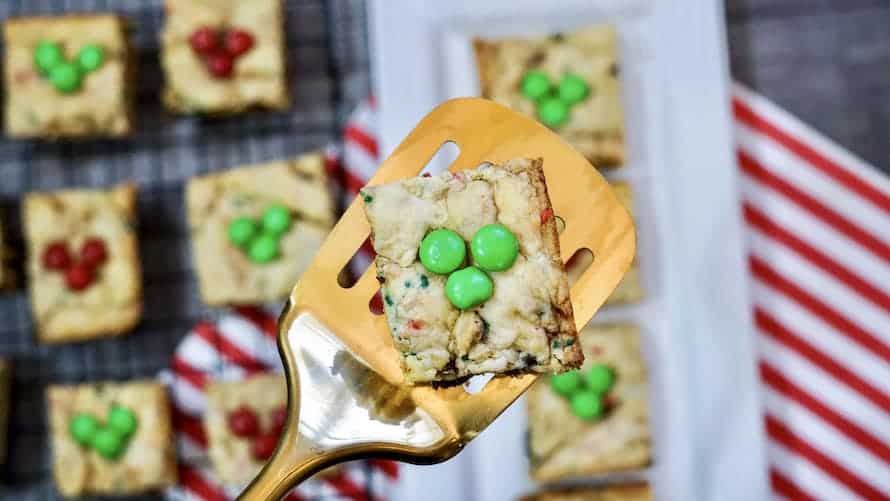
pixel 328 68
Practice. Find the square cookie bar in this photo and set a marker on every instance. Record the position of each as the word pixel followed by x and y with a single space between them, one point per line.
pixel 5 404
pixel 244 420
pixel 111 438
pixel 68 76
pixel 83 263
pixel 224 56
pixel 627 492
pixel 594 420
pixel 7 277
pixel 471 273
pixel 256 228
pixel 568 81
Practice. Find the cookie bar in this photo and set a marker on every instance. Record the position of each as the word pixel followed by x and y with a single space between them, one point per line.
pixel 627 492
pixel 630 288
pixel 471 273
pixel 569 81
pixel 7 277
pixel 224 56
pixel 256 228
pixel 594 420
pixel 68 76
pixel 5 404
pixel 243 421
pixel 111 438
pixel 83 263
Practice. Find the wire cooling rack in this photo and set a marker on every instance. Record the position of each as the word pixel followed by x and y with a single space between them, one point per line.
pixel 328 68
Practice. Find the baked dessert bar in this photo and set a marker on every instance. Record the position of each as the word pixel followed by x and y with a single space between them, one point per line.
pixel 83 263
pixel 68 76
pixel 471 273
pixel 5 404
pixel 629 289
pixel 628 492
pixel 594 420
pixel 224 56
pixel 256 228
pixel 244 420
pixel 111 438
pixel 7 277
pixel 569 81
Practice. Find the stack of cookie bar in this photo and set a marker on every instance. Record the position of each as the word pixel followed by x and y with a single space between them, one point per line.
pixel 595 420
pixel 253 229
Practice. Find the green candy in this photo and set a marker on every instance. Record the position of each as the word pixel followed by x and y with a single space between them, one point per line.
pixel 65 77
pixel 263 249
pixel 108 442
pixel 535 85
pixel 442 251
pixel 572 89
pixel 566 383
pixel 242 230
pixel 586 405
pixel 83 428
pixel 277 219
pixel 47 55
pixel 553 112
pixel 90 57
pixel 599 378
pixel 468 287
pixel 123 420
pixel 494 247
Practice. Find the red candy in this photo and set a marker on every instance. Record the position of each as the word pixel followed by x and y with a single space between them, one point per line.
pixel 546 215
pixel 204 40
pixel 56 256
pixel 220 48
pixel 279 419
pixel 237 42
pixel 243 422
pixel 93 253
pixel 79 277
pixel 264 446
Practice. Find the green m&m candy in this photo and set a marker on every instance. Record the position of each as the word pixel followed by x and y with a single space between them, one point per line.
pixel 82 428
pixel 277 219
pixel 494 247
pixel 566 383
pixel 90 57
pixel 123 420
pixel 242 230
pixel 108 442
pixel 65 77
pixel 535 85
pixel 553 112
pixel 263 249
pixel 468 287
pixel 442 251
pixel 586 405
pixel 47 55
pixel 572 89
pixel 599 378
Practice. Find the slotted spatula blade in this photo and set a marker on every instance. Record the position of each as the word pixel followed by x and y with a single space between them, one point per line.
pixel 347 397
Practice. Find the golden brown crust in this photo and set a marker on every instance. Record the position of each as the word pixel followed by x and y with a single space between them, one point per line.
pixel 572 355
pixel 149 461
pixel 630 288
pixel 102 108
pixel 113 304
pixel 626 492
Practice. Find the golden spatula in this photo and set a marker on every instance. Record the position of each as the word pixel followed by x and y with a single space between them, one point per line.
pixel 347 397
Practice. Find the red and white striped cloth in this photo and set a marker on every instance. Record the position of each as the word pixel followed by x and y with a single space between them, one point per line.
pixel 240 343
pixel 819 253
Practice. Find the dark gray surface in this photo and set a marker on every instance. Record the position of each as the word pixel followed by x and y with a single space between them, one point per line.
pixel 826 61
pixel 328 62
